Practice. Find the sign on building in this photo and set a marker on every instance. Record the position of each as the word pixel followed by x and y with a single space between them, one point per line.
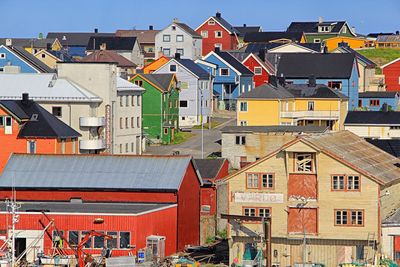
pixel 257 198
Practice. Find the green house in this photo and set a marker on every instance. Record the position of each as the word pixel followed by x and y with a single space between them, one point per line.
pixel 160 106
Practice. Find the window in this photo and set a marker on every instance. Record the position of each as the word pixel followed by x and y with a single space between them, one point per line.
pixel 120 123
pixel 2 55
pixel 57 239
pixel 346 182
pixel 349 217
pixel 132 147
pixel 167 38
pixel 1 69
pixel 133 100
pixel 31 147
pixel 252 180
pixel 138 122
pixel 173 27
pixel 243 106
pixel 249 211
pixel 98 241
pixel 310 105
pixel 257 70
pixel 112 243
pixel 126 147
pixel 127 101
pixel 139 82
pixel 317 41
pixel 267 180
pixel 43 55
pixel 264 212
pixel 240 140
pixel 204 34
pixel 218 34
pixel 344 29
pixel 126 123
pixel 165 130
pixel 179 51
pixel 88 244
pixel 124 239
pixel 120 101
pixel 211 22
pixel 304 162
pixel 374 102
pixel 260 212
pixel 167 52
pixel 183 104
pixel 172 68
pixel 73 237
pixel 243 123
pixel 1 121
pixel 243 86
pixel 338 182
pixel 63 146
pixel 138 100
pixel 324 29
pixel 391 127
pixel 224 72
pixel 353 182
pixel 335 84
pixel 218 45
pixel 132 122
pixel 56 111
pixel 179 38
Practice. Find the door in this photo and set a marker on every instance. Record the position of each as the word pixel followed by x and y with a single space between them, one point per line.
pixel 8 125
pixel 20 246
pixel 396 249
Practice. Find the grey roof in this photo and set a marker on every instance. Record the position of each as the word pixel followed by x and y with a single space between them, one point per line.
pixel 92 207
pixel 29 42
pixel 236 64
pixel 373 118
pixel 392 220
pixel 31 59
pixel 278 128
pixel 312 27
pixel 344 48
pixel 391 146
pixel 394 38
pixel 193 67
pixel 187 29
pixel 208 168
pixel 256 47
pixel 75 38
pixel 225 24
pixel 267 91
pixel 162 80
pixel 111 42
pixel 152 173
pixel 378 94
pixel 265 37
pixel 245 29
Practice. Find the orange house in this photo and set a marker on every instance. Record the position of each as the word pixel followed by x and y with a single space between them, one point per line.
pixel 155 65
pixel 26 127
pixel 353 42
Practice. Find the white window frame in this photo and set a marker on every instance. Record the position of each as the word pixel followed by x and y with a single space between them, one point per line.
pixel 211 22
pixel 176 68
pixel 317 41
pixel 169 51
pixel 244 106
pixel 220 71
pixel 344 29
pixel 204 34
pixel 248 87
pixel 243 88
pixel 164 38
pixel 259 72
pixel 183 51
pixel 3 56
pixel 216 34
pixel 243 123
pixel 311 106
pixel 179 41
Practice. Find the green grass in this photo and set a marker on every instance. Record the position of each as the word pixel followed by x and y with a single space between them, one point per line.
pixel 380 56
pixel 181 137
pixel 205 125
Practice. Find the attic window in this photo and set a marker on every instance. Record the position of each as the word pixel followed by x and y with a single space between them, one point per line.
pixel 173 28
pixel 34 117
pixel 211 22
pixel 2 55
pixel 172 68
pixel 304 162
pixel 57 111
pixel 324 29
pixel 335 84
pixel 397 165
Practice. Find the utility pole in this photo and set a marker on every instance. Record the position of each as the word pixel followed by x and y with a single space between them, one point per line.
pixel 13 207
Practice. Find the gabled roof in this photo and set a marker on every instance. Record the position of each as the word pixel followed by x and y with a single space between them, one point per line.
pixel 364 60
pixel 232 62
pixel 124 85
pixel 143 36
pixel 391 146
pixel 187 29
pixel 246 29
pixel 373 118
pixel 44 87
pixel 222 22
pixel 390 63
pixel 256 47
pixel 29 42
pixel 266 37
pixel 378 94
pixel 208 168
pixel 349 149
pixel 108 56
pixel 312 27
pixel 29 59
pixel 75 38
pixel 45 125
pixel 264 64
pixel 321 65
pixel 132 173
pixel 62 55
pixel 194 68
pixel 112 43
pixel 394 38
pixel 161 81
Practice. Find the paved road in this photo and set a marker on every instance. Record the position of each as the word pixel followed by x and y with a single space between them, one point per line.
pixel 193 145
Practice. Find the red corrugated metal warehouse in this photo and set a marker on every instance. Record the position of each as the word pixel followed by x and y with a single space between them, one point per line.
pixel 391 71
pixel 140 195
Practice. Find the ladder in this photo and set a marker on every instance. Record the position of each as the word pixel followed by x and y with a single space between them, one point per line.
pixel 371 243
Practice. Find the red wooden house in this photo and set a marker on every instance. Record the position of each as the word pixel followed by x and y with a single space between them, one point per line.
pixel 261 68
pixel 217 32
pixel 139 196
pixel 391 71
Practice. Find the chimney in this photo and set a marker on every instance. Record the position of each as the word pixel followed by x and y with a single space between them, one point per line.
pixel 397 33
pixel 25 98
pixel 8 42
pixel 385 107
pixel 244 25
pixel 103 46
pixel 320 20
pixel 282 80
pixel 177 56
pixel 312 82
pixel 218 15
pixel 261 54
pixel 343 44
pixel 272 81
pixel 151 27
pixel 96 30
pixel 217 49
pixel 353 29
pixel 175 20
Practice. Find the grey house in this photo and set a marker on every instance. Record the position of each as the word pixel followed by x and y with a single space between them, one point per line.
pixel 195 96
pixel 179 38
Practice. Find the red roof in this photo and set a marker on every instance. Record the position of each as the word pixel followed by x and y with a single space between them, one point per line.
pixel 110 57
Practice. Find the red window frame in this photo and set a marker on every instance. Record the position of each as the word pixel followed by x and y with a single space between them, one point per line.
pixel 346 182
pixel 349 217
pixel 260 180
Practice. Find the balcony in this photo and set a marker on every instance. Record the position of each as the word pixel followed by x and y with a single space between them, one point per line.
pixel 311 114
pixel 95 144
pixel 92 121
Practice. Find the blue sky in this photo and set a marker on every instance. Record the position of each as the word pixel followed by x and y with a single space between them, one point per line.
pixel 27 18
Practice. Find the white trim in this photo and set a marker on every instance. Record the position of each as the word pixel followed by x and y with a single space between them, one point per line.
pixel 226 63
pixel 350 29
pixel 12 52
pixel 176 62
pixel 206 63
pixel 294 44
pixel 256 58
pixel 47 53
pixel 390 63
pixel 206 21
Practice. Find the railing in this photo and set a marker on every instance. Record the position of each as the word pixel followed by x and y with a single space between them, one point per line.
pixel 95 144
pixel 325 114
pixel 92 121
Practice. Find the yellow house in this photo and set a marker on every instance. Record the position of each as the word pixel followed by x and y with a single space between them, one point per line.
pixel 353 42
pixel 35 45
pixel 304 105
pixel 153 66
pixel 324 199
pixel 47 58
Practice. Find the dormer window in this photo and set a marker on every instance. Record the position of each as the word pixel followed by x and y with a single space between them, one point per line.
pixel 324 28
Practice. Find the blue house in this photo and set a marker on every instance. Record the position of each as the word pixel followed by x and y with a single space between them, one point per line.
pixel 338 71
pixel 18 56
pixel 231 79
pixel 373 101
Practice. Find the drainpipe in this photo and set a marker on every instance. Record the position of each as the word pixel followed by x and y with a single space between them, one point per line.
pixel 113 126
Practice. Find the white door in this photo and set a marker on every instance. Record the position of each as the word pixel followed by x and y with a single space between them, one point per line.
pixel 8 125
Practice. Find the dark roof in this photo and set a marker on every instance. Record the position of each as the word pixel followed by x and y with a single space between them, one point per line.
pixel 391 146
pixel 46 125
pixel 112 43
pixel 208 168
pixel 378 94
pixel 75 38
pixel 231 60
pixel 29 42
pixel 312 27
pixel 162 80
pixel 187 29
pixel 226 24
pixel 143 36
pixel 108 56
pixel 265 37
pixel 31 59
pixel 267 91
pixel 246 29
pixel 278 128
pixel 375 35
pixel 302 65
pixel 62 55
pixel 193 67
pixel 373 117
pixel 346 49
pixel 71 207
